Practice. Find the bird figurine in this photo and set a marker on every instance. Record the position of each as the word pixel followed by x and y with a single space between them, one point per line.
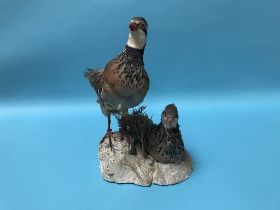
pixel 124 82
pixel 165 143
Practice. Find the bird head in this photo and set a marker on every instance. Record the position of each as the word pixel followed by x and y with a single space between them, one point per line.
pixel 169 116
pixel 138 29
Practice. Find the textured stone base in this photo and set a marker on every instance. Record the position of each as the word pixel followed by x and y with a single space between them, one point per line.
pixel 120 167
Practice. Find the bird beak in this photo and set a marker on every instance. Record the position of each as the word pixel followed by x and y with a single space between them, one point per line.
pixel 132 26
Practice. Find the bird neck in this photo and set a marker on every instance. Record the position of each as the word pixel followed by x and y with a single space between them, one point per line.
pixel 134 52
pixel 137 39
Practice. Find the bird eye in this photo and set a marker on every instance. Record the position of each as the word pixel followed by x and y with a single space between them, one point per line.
pixel 142 25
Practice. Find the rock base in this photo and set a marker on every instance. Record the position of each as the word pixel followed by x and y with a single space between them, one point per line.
pixel 121 167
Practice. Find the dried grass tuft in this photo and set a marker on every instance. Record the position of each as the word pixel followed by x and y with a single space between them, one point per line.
pixel 138 125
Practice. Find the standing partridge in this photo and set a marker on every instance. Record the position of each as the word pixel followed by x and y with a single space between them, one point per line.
pixel 123 83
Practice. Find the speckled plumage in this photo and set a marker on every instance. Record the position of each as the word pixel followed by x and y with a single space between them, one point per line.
pixel 123 83
pixel 165 144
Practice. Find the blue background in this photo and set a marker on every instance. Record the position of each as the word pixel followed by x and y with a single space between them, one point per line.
pixel 218 61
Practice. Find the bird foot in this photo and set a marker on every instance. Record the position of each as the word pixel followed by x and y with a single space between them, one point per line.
pixel 108 135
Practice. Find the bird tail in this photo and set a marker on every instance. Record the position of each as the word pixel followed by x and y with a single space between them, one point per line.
pixel 95 78
pixel 92 73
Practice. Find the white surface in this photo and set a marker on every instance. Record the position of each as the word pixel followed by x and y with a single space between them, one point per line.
pixel 120 167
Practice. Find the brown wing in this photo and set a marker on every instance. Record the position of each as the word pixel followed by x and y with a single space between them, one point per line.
pixel 111 76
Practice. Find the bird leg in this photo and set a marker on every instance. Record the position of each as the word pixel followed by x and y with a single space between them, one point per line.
pixel 108 133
